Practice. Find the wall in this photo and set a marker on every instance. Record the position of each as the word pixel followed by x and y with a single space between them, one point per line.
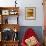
pixel 39 13
pixel 22 4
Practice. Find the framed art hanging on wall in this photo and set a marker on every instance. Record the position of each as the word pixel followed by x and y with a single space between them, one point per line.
pixel 30 13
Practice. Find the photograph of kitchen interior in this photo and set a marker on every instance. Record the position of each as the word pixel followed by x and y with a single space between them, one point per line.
pixel 22 22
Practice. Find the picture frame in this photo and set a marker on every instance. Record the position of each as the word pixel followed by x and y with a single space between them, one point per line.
pixel 12 12
pixel 5 12
pixel 30 13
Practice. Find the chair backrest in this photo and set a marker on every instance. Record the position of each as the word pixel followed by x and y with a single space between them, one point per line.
pixel 29 32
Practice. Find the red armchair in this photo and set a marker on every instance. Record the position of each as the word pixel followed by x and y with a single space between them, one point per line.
pixel 30 34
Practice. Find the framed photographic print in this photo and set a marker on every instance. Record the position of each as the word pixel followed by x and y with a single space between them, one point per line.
pixel 30 13
pixel 12 12
pixel 5 12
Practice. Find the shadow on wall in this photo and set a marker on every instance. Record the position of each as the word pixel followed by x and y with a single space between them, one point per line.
pixel 37 29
